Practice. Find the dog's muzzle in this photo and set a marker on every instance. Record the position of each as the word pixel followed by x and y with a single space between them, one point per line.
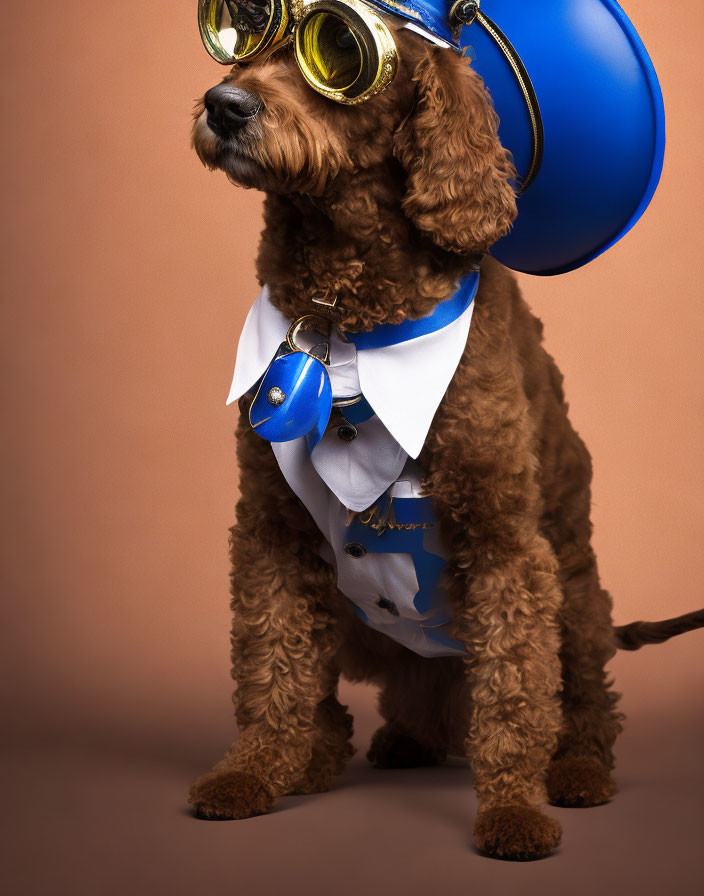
pixel 229 109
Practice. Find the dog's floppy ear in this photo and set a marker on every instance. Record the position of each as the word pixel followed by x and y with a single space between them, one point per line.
pixel 458 186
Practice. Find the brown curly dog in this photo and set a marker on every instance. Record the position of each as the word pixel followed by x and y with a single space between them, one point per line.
pixel 384 206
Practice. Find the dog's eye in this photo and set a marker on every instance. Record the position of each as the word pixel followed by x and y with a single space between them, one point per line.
pixel 329 50
pixel 345 39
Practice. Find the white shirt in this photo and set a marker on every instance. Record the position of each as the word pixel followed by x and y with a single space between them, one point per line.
pixel 404 384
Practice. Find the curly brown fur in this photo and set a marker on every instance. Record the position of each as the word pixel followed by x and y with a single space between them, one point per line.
pixel 579 782
pixel 225 794
pixel 347 210
pixel 515 832
pixel 382 207
pixel 294 733
pixel 394 747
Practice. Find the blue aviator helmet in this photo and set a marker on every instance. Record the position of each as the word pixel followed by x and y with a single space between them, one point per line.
pixel 580 109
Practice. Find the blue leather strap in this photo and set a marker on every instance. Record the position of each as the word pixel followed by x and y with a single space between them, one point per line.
pixel 442 316
pixel 433 15
pixel 359 412
pixel 428 566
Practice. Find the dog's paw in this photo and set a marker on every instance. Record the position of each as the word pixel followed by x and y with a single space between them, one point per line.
pixel 520 833
pixel 228 794
pixel 579 782
pixel 391 747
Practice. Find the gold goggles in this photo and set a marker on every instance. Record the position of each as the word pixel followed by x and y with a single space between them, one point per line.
pixel 344 50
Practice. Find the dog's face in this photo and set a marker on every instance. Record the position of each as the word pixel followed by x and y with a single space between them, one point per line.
pixel 266 128
pixel 434 126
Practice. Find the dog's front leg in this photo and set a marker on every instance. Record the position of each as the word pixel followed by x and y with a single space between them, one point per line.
pixel 283 643
pixel 481 471
pixel 508 625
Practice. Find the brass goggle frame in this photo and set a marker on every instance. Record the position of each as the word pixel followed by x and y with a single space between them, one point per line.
pixel 344 50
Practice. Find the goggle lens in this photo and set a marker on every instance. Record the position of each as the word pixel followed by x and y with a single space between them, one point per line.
pixel 331 51
pixel 234 29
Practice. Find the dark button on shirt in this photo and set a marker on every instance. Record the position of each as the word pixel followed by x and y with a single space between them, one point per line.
pixel 347 432
pixel 354 549
pixel 385 604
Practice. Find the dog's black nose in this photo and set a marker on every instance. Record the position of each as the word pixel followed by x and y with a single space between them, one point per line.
pixel 229 108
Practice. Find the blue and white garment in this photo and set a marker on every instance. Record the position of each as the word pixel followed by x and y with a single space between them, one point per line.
pixel 391 575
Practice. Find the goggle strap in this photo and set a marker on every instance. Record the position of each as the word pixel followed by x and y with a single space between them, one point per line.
pixel 438 41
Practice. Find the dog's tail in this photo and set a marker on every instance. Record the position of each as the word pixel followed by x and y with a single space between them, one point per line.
pixel 636 634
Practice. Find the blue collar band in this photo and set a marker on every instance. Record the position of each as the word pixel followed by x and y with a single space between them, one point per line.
pixel 358 412
pixel 443 315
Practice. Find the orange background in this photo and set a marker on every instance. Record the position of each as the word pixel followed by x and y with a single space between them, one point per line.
pixel 127 274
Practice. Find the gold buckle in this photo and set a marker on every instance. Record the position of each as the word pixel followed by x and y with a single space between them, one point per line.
pixel 294 330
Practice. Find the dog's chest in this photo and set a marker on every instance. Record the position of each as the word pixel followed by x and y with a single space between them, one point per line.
pixel 359 482
pixel 387 551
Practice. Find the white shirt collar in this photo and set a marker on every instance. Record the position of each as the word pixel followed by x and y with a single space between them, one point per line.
pixel 403 383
